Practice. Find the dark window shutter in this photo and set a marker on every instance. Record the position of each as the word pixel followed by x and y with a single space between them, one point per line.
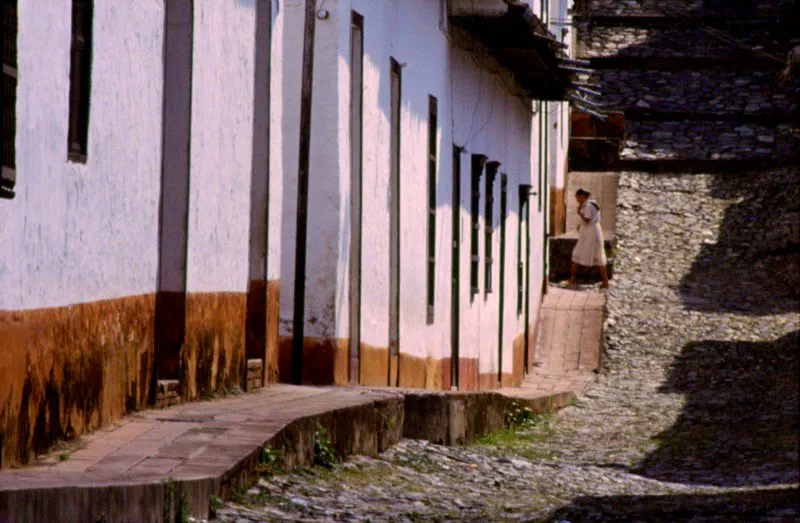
pixel 80 80
pixel 9 160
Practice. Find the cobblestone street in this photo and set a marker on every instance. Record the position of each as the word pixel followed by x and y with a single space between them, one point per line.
pixel 697 399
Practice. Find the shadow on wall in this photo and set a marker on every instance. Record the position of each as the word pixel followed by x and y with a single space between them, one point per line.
pixel 770 505
pixel 753 267
pixel 740 424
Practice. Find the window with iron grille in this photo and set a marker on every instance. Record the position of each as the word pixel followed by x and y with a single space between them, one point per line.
pixel 488 225
pixel 80 80
pixel 432 156
pixel 8 177
pixel 478 161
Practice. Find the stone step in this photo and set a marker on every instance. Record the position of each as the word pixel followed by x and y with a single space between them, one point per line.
pixel 713 92
pixel 680 41
pixel 709 140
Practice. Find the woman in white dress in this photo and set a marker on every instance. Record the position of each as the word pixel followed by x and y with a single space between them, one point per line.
pixel 589 250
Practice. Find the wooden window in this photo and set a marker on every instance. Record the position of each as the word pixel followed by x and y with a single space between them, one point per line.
pixel 478 161
pixel 8 177
pixel 488 225
pixel 523 222
pixel 80 80
pixel 540 165
pixel 432 157
pixel 502 284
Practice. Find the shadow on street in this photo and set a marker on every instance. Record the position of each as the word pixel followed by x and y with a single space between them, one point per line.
pixel 772 505
pixel 753 266
pixel 740 424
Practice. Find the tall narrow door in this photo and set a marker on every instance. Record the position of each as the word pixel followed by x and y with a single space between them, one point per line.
pixel 502 297
pixel 455 289
pixel 356 85
pixel 527 277
pixel 394 228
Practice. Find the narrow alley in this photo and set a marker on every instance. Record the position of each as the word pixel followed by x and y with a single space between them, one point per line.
pixel 693 414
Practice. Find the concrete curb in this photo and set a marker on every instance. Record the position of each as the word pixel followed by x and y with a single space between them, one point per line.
pixel 369 427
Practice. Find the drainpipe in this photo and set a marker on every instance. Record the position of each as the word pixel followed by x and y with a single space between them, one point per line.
pixel 302 193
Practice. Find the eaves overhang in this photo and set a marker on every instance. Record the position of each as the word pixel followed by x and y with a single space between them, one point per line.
pixel 518 40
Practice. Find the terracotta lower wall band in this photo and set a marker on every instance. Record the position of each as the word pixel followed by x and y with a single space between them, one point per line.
pixel 68 370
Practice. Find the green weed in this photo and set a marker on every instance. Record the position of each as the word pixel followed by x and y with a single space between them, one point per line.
pixel 324 453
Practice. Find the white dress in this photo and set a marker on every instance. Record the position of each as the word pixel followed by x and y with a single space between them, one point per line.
pixel 590 251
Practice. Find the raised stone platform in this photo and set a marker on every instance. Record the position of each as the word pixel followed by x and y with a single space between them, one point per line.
pixel 156 464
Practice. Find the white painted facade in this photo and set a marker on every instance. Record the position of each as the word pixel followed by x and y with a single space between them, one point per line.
pixel 77 232
pixel 475 112
pixel 83 232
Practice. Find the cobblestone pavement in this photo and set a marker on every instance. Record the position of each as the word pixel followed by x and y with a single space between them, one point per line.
pixel 693 416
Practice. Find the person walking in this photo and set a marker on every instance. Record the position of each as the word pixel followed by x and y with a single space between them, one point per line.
pixel 590 250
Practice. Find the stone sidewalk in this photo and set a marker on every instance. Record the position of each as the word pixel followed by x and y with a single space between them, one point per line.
pixel 570 342
pixel 158 461
pixel 154 461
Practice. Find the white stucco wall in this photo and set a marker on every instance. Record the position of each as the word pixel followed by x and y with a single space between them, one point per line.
pixel 276 200
pixel 474 111
pixel 221 146
pixel 75 232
